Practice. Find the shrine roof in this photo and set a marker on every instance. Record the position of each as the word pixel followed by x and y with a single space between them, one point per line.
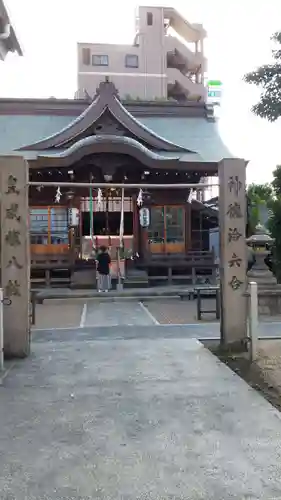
pixel 105 115
pixel 195 134
pixel 193 138
pixel 100 143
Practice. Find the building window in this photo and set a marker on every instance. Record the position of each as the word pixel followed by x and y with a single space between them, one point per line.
pixel 131 61
pixel 86 56
pixel 149 18
pixel 99 60
pixel 49 226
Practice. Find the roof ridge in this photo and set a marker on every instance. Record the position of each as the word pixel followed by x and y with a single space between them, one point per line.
pixel 106 98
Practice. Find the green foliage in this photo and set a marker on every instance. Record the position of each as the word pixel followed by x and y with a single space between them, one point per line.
pixel 260 192
pixel 269 194
pixel 276 183
pixel 274 226
pixel 258 195
pixel 268 77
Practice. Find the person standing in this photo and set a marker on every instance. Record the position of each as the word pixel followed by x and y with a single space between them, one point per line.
pixel 103 268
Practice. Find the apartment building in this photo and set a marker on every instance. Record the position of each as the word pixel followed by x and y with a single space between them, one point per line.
pixel 165 61
pixel 8 38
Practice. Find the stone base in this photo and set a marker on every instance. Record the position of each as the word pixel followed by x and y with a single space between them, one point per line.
pixel 238 346
pixel 15 354
pixel 264 279
pixel 269 302
pixel 84 278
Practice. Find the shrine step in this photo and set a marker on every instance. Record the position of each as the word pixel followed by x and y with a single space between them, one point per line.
pixel 136 278
pixel 135 283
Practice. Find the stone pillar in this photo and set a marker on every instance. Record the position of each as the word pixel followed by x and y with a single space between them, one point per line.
pixel 233 253
pixel 15 259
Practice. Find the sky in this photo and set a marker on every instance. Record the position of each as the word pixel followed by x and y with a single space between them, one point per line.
pixel 238 41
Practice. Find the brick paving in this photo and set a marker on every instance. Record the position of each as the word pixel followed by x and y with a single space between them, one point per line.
pixel 179 312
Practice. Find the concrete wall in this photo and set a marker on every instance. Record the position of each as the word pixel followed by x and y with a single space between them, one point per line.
pixel 149 79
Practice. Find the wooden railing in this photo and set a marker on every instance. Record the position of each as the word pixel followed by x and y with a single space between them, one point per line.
pixel 192 262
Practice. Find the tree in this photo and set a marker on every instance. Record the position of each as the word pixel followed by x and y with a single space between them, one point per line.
pixel 276 183
pixel 274 222
pixel 268 77
pixel 269 195
pixel 259 196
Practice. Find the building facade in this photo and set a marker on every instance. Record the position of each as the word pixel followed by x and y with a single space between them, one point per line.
pixel 165 61
pixel 8 38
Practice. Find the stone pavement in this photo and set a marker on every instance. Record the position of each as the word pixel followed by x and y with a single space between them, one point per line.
pixel 59 313
pixel 73 313
pixel 178 312
pixel 117 313
pixel 102 315
pixel 133 419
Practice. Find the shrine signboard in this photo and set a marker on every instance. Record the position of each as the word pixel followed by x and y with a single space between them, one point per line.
pixel 15 264
pixel 233 262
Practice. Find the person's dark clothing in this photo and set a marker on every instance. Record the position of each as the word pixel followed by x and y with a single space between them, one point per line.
pixel 103 263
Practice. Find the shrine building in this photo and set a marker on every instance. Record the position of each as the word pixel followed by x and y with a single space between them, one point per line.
pixel 106 140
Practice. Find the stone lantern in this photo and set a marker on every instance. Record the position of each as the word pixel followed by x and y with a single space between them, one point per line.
pixel 261 244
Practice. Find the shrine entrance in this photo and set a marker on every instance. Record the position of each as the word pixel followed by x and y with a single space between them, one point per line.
pixel 15 252
pixel 107 148
pixel 100 222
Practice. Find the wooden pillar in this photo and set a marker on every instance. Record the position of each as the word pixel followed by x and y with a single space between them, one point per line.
pixel 201 236
pixel 232 216
pixel 188 215
pixel 15 258
pixel 136 225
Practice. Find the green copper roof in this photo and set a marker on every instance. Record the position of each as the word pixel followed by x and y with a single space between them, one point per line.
pixel 18 130
pixel 196 134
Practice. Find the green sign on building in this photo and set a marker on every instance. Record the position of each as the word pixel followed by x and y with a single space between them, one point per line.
pixel 214 91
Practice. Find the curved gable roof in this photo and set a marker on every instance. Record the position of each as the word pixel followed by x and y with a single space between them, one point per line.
pixel 106 100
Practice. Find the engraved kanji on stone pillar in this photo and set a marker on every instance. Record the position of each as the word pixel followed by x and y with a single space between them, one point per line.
pixel 15 267
pixel 233 262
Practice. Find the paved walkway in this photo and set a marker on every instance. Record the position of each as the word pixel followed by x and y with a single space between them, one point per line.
pixel 88 418
pixel 101 315
pixel 117 313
